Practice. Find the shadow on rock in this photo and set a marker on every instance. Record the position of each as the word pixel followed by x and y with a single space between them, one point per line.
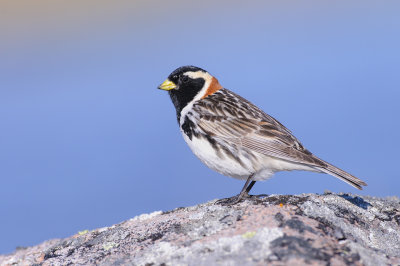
pixel 357 201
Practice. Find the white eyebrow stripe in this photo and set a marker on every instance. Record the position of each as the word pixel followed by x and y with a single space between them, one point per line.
pixel 198 74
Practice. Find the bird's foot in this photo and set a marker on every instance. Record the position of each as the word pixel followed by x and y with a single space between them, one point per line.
pixel 233 200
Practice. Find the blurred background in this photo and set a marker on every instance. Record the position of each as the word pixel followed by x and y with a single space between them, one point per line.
pixel 87 141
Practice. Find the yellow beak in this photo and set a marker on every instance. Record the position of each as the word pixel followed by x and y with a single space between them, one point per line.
pixel 167 85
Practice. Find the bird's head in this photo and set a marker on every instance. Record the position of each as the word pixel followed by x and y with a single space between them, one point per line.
pixel 188 84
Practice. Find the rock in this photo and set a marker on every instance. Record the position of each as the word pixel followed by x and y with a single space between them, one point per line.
pixel 334 229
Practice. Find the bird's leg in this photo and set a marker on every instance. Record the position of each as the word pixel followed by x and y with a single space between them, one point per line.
pixel 246 189
pixel 243 193
pixel 250 187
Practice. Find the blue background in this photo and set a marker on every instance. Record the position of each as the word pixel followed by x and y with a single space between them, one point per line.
pixel 88 141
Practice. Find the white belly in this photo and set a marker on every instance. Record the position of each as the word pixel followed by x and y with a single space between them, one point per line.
pixel 225 165
pixel 263 167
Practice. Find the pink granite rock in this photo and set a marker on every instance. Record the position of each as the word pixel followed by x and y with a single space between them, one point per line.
pixel 334 229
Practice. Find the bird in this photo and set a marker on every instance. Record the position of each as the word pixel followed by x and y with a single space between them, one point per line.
pixel 234 137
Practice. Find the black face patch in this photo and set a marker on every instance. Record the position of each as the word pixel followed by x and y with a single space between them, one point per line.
pixel 187 88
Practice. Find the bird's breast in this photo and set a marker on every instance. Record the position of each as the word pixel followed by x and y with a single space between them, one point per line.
pixel 221 157
pixel 188 127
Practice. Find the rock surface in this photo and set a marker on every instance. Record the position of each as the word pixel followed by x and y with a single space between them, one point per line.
pixel 334 229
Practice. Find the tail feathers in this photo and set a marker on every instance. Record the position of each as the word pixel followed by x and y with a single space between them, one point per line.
pixel 342 175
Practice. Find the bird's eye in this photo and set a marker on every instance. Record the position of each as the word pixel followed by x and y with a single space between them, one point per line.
pixel 185 79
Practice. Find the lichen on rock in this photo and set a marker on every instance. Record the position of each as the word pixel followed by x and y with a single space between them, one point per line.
pixel 336 229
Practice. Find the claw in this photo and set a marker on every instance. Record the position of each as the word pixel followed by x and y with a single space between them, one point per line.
pixel 233 200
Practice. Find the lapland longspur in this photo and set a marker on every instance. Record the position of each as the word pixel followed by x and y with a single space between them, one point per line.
pixel 234 137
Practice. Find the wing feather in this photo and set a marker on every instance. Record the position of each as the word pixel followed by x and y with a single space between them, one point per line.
pixel 231 118
pixel 248 134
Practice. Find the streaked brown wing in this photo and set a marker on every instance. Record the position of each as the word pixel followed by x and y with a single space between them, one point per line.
pixel 228 116
pixel 251 135
pixel 231 118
